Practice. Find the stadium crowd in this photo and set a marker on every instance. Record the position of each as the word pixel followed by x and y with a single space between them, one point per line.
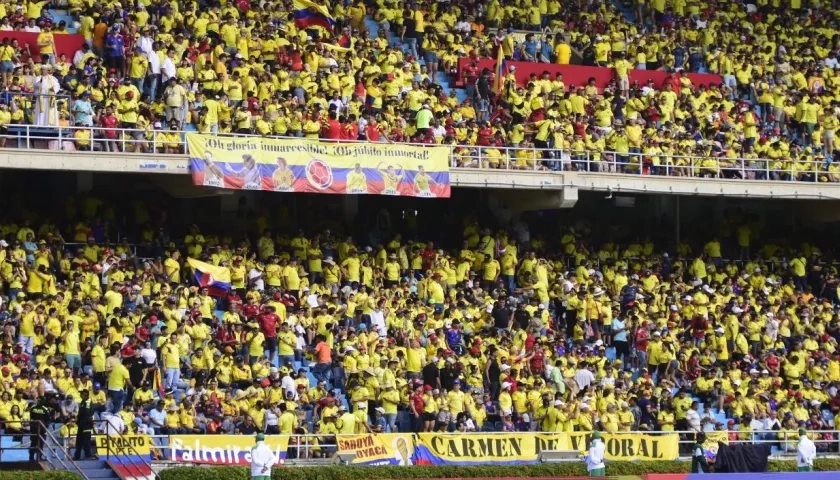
pixel 321 333
pixel 247 67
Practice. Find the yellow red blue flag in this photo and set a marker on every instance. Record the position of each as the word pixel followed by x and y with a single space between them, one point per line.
pixel 217 279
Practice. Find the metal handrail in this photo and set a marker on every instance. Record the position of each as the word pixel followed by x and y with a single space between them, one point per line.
pixel 54 445
pixel 476 156
pixel 131 449
pixel 50 443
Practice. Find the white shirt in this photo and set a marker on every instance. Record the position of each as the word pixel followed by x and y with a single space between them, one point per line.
pixel 339 105
pixel 806 452
pixel 270 418
pixel 262 459
pixel 154 63
pixel 693 418
pixel 145 45
pixel 32 29
pixel 148 355
pixel 595 459
pixel 312 300
pixel 289 385
pixel 113 425
pixel 49 385
pixel 463 26
pixel 377 321
pixel 584 378
pixel 168 68
pixel 77 57
pixel 771 423
pixel 259 284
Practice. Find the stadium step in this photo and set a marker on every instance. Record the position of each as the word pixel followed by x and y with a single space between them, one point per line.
pixel 372 27
pixel 59 15
pixel 461 94
pixel 626 11
pixel 98 469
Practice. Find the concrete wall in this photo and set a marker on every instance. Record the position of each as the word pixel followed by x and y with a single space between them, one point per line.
pixel 566 183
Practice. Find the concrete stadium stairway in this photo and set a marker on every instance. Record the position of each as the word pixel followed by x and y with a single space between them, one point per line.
pixel 443 79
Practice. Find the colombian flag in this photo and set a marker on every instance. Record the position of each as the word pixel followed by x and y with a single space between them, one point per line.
pixel 159 384
pixel 217 279
pixel 500 70
pixel 309 14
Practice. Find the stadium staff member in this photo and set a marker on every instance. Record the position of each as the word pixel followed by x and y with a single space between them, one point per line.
pixel 41 415
pixel 262 458
pixel 595 460
pixel 698 455
pixel 84 420
pixel 806 452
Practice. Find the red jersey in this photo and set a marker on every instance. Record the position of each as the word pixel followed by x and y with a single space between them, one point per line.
pixel 20 356
pixel 142 333
pixel 268 324
pixel 428 256
pixel 234 300
pixel 418 402
pixel 484 135
pixel 250 310
pixel 538 361
pixel 128 43
pixel 772 362
pixel 514 385
pixel 344 41
pixel 360 90
pixel 642 339
pixel 225 337
pixel 372 131
pixel 283 57
pixel 699 326
pixel 397 135
pixel 470 74
pixel 254 106
pixel 296 60
pixel 580 129
pixel 331 130
pixel 109 123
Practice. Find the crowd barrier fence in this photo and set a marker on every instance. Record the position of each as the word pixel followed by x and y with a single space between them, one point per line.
pixel 637 163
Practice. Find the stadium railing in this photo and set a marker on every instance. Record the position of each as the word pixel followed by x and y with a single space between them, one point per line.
pixel 126 458
pixel 48 449
pixel 302 446
pixel 68 138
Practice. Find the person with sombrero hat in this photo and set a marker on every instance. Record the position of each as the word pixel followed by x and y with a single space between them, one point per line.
pixel 262 459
